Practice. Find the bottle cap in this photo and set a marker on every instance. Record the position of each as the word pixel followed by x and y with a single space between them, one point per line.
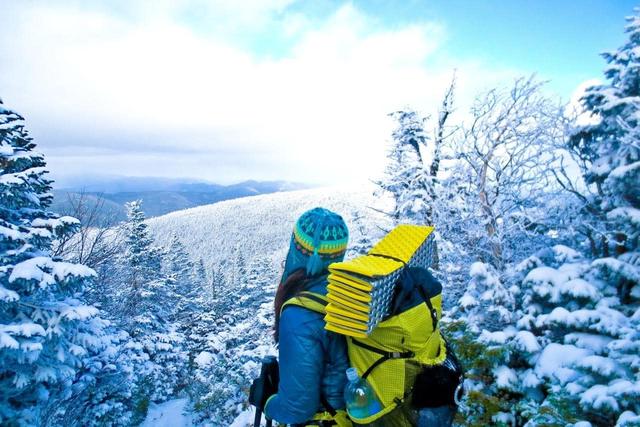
pixel 352 374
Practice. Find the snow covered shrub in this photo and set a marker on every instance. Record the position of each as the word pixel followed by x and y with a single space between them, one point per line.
pixel 486 303
pixel 221 385
pixel 572 352
pixel 485 403
pixel 485 315
pixel 234 345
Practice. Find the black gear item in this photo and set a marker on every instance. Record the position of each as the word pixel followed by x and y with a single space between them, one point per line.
pixel 439 385
pixel 265 386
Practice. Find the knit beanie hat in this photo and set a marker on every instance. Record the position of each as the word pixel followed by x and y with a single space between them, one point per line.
pixel 319 238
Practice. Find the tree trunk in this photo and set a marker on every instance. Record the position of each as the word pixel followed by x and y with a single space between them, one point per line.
pixel 491 227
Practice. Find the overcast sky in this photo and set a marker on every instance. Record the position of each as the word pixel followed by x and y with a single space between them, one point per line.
pixel 271 89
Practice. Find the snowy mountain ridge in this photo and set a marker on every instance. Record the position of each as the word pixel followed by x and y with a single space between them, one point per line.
pixel 261 225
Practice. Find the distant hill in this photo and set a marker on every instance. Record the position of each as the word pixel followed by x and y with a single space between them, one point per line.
pixel 160 195
pixel 261 226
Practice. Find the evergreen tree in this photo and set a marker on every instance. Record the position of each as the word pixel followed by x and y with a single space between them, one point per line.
pixel 146 309
pixel 584 312
pixel 235 344
pixel 608 152
pixel 486 303
pixel 214 285
pixel 485 402
pixel 219 283
pixel 101 394
pixel 411 174
pixel 574 351
pixel 406 178
pixel 572 356
pixel 186 286
pixel 47 334
pixel 200 276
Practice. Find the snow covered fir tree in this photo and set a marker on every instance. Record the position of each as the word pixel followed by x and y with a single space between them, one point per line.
pixel 537 214
pixel 406 177
pixel 49 338
pixel 147 306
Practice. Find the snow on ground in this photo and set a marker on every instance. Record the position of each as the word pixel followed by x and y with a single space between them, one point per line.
pixel 168 414
pixel 246 419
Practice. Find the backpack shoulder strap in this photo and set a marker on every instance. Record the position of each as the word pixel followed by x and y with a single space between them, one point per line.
pixel 309 300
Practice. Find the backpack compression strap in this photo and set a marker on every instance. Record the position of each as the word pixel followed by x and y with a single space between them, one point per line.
pixel 432 310
pixel 385 355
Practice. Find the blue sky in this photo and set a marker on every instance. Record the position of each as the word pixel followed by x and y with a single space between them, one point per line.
pixel 557 39
pixel 270 89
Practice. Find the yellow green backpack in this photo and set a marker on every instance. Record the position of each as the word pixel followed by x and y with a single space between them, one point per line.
pixel 401 354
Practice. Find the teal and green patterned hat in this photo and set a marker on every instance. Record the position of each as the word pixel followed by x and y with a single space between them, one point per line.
pixel 319 238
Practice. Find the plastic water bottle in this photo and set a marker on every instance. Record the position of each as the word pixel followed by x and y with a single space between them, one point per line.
pixel 359 396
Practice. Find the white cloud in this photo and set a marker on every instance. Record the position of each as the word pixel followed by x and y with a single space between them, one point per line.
pixel 147 80
pixel 575 107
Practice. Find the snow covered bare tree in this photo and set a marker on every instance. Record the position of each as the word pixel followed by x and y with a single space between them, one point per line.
pixel 505 168
pixel 97 243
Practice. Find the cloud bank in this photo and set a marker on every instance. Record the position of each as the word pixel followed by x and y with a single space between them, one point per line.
pixel 216 91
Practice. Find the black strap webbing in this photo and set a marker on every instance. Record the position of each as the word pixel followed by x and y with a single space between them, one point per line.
pixel 388 257
pixel 386 355
pixel 306 295
pixel 313 297
pixel 432 310
pixel 327 405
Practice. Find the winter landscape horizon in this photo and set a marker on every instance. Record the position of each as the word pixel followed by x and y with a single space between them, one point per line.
pixel 154 157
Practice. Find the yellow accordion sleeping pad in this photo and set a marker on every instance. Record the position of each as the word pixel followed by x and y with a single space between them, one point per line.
pixel 361 290
pixel 387 348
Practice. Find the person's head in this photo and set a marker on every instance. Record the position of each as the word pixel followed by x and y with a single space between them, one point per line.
pixel 319 239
